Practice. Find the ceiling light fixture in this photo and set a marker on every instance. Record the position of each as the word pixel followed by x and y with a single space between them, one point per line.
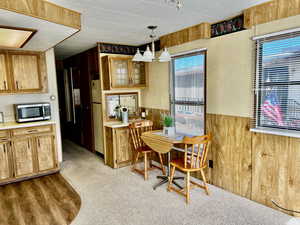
pixel 177 3
pixel 149 55
pixel 15 37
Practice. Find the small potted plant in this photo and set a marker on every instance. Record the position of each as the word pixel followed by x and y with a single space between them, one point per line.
pixel 169 129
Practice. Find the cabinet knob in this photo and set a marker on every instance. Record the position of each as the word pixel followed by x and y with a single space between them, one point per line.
pixel 17 85
pixel 4 83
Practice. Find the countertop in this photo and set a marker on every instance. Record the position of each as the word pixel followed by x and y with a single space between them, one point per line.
pixel 118 124
pixel 13 125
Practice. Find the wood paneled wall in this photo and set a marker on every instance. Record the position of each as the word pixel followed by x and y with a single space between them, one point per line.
pixel 155 116
pixel 269 11
pixel 260 167
pixel 275 174
pixel 259 14
pixel 44 10
pixel 200 31
pixel 231 153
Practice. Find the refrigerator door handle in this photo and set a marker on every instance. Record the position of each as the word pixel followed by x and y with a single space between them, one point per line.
pixel 72 93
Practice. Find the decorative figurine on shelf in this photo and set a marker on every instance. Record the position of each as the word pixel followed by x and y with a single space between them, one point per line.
pixel 169 129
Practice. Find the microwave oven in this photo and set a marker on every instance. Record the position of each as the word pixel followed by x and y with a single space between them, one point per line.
pixel 32 112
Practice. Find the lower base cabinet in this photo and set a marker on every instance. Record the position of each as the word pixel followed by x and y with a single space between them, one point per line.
pixel 46 154
pixel 28 152
pixel 5 163
pixel 118 147
pixel 23 157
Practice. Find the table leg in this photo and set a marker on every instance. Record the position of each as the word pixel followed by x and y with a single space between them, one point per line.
pixel 165 179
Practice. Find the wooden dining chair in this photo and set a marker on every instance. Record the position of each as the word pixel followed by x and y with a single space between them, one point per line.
pixel 195 154
pixel 141 149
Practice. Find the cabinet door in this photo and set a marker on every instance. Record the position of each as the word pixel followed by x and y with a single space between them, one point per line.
pixel 5 167
pixel 119 72
pixel 138 74
pixel 123 145
pixel 23 157
pixel 3 73
pixel 46 152
pixel 26 72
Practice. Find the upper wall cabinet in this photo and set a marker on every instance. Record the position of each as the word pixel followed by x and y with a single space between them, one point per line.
pixel 121 72
pixel 4 84
pixel 22 72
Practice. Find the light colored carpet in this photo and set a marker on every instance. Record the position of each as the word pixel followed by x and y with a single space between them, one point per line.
pixel 120 197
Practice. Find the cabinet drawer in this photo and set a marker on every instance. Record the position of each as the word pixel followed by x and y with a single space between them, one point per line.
pixel 32 130
pixel 4 135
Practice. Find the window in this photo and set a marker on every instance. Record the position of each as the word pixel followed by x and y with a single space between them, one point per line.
pixel 277 83
pixel 188 85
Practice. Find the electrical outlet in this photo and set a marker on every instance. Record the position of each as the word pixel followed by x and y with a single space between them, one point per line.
pixel 210 164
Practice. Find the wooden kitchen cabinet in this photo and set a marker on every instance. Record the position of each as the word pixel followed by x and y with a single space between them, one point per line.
pixel 27 152
pixel 25 72
pixel 119 148
pixel 46 154
pixel 138 74
pixel 122 72
pixel 5 161
pixel 23 156
pixel 4 82
pixel 123 145
pixel 22 72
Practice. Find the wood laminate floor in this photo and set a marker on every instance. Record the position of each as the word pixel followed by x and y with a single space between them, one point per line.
pixel 48 200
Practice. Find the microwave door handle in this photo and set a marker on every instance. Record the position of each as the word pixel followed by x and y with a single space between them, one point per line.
pixel 43 109
pixel 72 93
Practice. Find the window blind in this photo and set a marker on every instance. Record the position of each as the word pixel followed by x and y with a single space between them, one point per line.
pixel 277 82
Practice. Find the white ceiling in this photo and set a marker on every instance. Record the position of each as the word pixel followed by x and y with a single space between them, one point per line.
pixel 47 35
pixel 125 21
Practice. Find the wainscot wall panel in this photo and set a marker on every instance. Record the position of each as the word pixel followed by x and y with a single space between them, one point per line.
pixel 231 153
pixel 260 167
pixel 275 174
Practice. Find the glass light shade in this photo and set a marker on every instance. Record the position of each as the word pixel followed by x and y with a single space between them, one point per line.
pixel 148 56
pixel 138 56
pixel 165 56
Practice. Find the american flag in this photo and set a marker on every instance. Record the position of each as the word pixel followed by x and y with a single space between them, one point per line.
pixel 272 109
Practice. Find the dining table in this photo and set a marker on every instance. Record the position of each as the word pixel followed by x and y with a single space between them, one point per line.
pixel 164 144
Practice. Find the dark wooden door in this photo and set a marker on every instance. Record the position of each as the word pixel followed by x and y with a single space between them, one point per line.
pixel 86 103
pixel 80 129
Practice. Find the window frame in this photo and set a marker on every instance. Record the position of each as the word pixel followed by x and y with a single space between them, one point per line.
pixel 172 102
pixel 259 86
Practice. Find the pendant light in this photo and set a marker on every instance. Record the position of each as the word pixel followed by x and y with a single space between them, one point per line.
pixel 138 56
pixel 149 54
pixel 165 56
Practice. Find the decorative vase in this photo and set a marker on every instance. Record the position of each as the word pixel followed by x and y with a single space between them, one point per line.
pixel 169 131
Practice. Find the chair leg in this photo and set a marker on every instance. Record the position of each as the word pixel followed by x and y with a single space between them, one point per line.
pixel 187 187
pixel 171 178
pixel 145 166
pixel 135 160
pixel 162 164
pixel 204 181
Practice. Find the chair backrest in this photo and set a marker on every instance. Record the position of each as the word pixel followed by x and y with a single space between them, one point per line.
pixel 136 130
pixel 196 149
